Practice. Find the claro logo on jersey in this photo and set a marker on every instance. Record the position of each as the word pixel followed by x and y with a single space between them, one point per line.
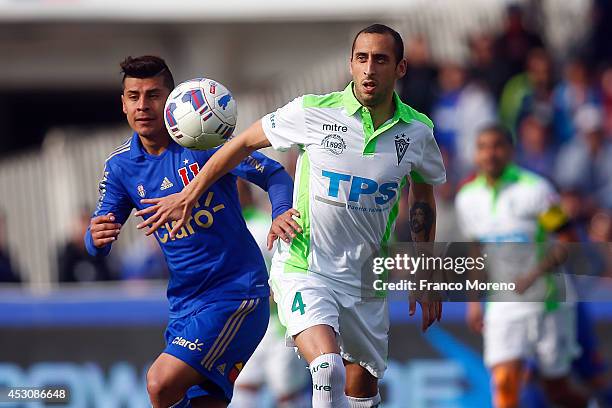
pixel 202 217
pixel 191 345
pixel 360 186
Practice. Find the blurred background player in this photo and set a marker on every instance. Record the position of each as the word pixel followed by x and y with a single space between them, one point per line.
pixel 505 203
pixel 273 364
pixel 218 301
pixel 74 263
pixel 332 316
pixel 8 272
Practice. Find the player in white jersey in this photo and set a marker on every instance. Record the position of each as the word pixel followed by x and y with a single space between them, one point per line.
pixel 357 149
pixel 505 203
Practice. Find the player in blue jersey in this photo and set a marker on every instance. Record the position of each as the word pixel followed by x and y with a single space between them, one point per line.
pixel 218 290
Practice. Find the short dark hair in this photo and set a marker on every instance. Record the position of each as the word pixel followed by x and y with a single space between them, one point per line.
pixel 147 66
pixel 499 130
pixel 398 43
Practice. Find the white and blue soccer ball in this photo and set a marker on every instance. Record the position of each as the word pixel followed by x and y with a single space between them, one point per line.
pixel 200 114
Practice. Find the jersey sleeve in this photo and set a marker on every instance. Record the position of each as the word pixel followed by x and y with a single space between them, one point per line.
pixel 112 198
pixel 430 169
pixel 285 127
pixel 270 175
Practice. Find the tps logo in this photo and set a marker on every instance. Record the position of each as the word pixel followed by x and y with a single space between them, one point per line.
pixel 360 186
pixel 191 345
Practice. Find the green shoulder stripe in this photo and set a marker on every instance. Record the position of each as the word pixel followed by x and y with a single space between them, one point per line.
pixel 330 100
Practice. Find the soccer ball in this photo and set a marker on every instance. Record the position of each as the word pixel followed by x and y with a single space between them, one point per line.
pixel 200 114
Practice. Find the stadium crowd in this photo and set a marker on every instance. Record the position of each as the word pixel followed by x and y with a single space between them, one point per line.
pixel 558 110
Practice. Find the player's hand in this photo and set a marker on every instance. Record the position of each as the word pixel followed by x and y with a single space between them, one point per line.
pixel 104 230
pixel 284 227
pixel 431 311
pixel 175 207
pixel 474 317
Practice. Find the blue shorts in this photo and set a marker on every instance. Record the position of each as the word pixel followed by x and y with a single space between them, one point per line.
pixel 217 340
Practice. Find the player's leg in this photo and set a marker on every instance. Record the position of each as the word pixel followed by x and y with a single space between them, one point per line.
pixel 556 348
pixel 361 386
pixel 207 402
pixel 168 380
pixel 364 347
pixel 307 308
pixel 215 342
pixel 506 381
pixel 508 342
pixel 318 345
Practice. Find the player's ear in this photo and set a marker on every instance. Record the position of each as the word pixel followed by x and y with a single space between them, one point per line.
pixel 400 70
pixel 123 104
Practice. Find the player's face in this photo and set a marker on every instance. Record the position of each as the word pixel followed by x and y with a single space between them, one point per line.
pixel 493 153
pixel 143 104
pixel 374 68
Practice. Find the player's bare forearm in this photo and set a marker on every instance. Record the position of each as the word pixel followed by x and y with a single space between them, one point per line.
pixel 177 207
pixel 226 158
pixel 422 205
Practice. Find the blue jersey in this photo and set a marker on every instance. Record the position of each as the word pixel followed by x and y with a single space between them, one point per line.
pixel 213 256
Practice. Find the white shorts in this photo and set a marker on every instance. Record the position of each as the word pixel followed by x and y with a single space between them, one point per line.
pixel 361 326
pixel 276 365
pixel 549 338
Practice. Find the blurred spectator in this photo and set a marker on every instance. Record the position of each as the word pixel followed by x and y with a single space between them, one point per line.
pixel 600 227
pixel 143 260
pixel 528 93
pixel 606 99
pixel 74 263
pixel 515 41
pixel 573 92
pixel 460 111
pixel 8 274
pixel 599 48
pixel 585 164
pixel 417 87
pixel 484 67
pixel 534 151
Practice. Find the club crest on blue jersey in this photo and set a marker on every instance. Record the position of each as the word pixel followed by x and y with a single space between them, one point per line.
pixel 141 190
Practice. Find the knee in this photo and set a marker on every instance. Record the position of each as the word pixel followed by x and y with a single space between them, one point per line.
pixel 158 387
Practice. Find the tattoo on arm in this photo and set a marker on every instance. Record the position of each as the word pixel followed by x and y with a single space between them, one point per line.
pixel 421 221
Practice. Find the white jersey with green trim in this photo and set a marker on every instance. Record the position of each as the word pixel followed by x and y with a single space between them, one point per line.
pixel 348 180
pixel 518 211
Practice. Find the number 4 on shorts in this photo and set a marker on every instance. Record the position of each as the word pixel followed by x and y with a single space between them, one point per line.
pixel 298 303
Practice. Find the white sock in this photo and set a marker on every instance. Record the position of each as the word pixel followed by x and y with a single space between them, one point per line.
pixel 328 381
pixel 369 402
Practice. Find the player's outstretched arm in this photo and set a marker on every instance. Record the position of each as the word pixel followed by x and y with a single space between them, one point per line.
pixel 177 207
pixel 422 205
